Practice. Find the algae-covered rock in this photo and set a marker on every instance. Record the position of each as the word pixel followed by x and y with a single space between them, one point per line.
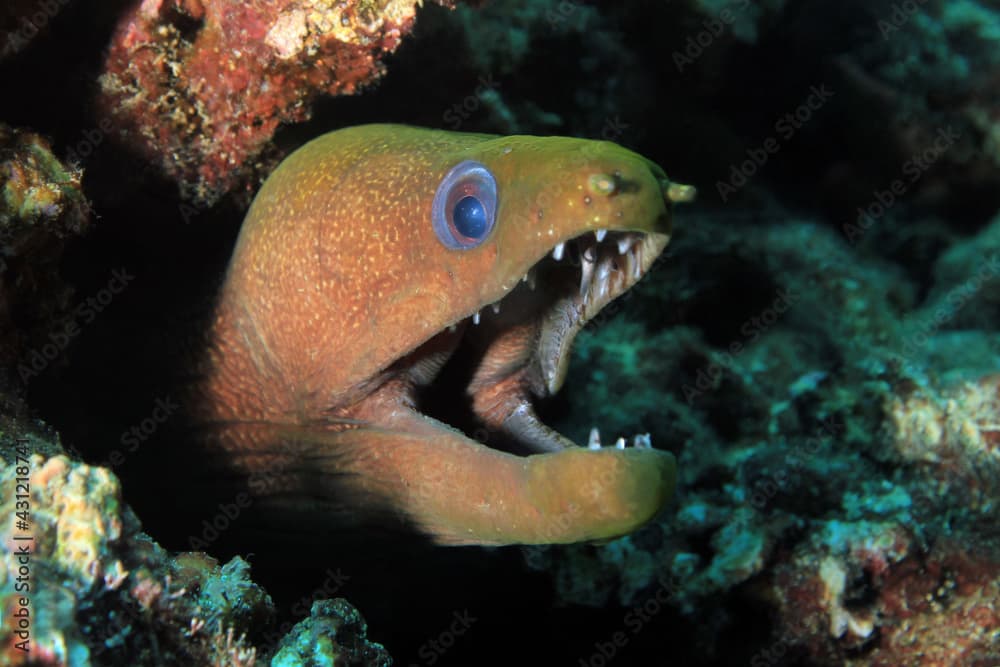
pixel 334 634
pixel 85 585
pixel 824 448
pixel 38 193
pixel 41 206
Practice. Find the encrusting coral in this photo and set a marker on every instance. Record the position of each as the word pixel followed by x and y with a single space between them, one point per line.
pixel 82 585
pixel 207 120
pixel 334 633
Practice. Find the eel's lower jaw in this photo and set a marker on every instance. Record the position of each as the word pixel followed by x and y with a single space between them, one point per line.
pixel 525 426
pixel 460 492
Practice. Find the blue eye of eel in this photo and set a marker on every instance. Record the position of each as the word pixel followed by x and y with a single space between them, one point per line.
pixel 465 206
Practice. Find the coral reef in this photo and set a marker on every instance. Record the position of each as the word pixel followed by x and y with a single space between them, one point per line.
pixel 924 71
pixel 60 521
pixel 91 589
pixel 836 496
pixel 200 87
pixel 334 633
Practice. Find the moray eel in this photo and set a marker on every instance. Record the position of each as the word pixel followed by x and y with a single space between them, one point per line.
pixel 371 255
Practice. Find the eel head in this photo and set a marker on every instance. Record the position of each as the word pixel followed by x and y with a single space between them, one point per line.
pixel 376 258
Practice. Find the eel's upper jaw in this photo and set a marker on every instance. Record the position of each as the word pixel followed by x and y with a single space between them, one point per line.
pixel 610 264
pixel 581 275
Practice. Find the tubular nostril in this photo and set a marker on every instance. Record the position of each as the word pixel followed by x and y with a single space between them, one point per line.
pixel 678 193
pixel 602 184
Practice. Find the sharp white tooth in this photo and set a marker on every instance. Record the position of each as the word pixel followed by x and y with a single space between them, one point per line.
pixel 600 234
pixel 642 441
pixel 586 274
pixel 557 252
pixel 620 443
pixel 603 276
pixel 452 327
pixel 475 318
pixel 636 267
pixel 594 441
pixel 624 243
pixel 496 308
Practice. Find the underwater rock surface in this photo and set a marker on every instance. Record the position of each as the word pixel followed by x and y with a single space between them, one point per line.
pixel 200 87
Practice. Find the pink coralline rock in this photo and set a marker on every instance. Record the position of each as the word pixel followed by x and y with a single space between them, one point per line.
pixel 868 593
pixel 200 86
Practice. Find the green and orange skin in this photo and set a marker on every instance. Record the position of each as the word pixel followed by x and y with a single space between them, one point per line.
pixel 338 276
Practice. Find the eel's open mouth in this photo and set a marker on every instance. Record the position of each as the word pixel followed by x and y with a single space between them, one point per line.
pixel 517 349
